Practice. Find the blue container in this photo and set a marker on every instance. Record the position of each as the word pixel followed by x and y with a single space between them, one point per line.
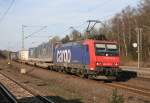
pixel 31 52
pixel 72 53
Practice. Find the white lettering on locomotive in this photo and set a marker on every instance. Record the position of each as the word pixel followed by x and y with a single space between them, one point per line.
pixel 64 56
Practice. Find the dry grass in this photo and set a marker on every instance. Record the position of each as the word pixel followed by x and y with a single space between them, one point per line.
pixel 127 61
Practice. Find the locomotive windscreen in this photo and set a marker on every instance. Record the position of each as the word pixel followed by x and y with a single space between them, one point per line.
pixel 111 46
pixel 106 50
pixel 100 46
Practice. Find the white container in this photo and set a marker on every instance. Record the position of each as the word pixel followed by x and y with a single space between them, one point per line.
pixel 24 55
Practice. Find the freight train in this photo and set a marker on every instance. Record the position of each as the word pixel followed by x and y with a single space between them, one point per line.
pixel 86 58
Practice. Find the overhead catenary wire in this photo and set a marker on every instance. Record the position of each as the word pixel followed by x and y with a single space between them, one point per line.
pixel 7 10
pixel 31 34
pixel 35 32
pixel 92 9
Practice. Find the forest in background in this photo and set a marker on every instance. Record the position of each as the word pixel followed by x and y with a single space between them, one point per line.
pixel 122 27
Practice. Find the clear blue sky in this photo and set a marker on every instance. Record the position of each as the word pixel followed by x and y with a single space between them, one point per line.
pixel 58 15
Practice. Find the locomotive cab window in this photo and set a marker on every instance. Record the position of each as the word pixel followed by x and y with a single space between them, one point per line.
pixel 100 46
pixel 112 49
pixel 100 49
pixel 106 49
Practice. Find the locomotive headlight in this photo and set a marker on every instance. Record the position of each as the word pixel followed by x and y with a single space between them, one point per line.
pixel 91 68
pixel 98 63
pixel 116 64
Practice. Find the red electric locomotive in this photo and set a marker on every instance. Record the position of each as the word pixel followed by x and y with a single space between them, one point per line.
pixel 104 58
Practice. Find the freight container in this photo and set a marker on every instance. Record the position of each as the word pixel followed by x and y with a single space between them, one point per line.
pixel 23 55
pixel 13 55
pixel 43 52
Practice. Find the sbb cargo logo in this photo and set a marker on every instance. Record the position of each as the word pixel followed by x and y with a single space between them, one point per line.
pixel 64 56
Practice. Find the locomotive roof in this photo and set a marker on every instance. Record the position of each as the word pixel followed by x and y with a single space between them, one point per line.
pixel 84 41
pixel 70 44
pixel 105 41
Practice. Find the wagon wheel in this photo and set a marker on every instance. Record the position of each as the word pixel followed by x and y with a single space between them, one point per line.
pixel 90 76
pixel 64 70
pixel 82 74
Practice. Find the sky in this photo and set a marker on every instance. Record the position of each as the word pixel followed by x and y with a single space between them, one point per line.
pixel 57 15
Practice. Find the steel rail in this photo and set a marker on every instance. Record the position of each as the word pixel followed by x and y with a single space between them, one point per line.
pixel 133 89
pixel 40 97
pixel 138 90
pixel 7 94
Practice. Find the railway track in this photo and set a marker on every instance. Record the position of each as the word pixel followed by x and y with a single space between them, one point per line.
pixel 6 96
pixel 21 91
pixel 135 89
pixel 138 90
pixel 130 88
